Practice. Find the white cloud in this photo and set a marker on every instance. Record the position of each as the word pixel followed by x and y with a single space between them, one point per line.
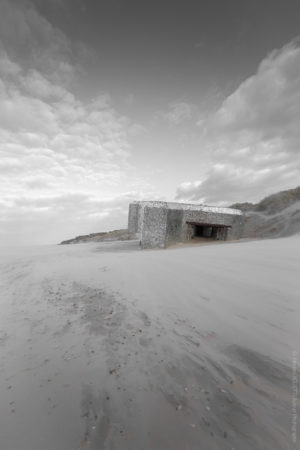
pixel 62 160
pixel 251 144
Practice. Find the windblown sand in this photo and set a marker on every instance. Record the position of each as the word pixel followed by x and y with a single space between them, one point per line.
pixel 104 346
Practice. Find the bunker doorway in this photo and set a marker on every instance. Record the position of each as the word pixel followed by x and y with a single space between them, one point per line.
pixel 203 231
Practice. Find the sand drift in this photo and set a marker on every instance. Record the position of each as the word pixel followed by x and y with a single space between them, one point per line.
pixel 104 346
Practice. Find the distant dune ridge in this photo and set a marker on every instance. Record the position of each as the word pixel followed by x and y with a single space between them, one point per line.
pixel 115 235
pixel 277 215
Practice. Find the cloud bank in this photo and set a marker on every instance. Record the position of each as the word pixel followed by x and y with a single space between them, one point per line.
pixel 251 143
pixel 58 154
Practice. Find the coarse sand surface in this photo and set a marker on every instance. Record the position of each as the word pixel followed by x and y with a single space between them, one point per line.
pixel 104 346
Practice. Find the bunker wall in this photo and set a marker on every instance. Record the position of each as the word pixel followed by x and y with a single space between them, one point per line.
pixel 174 226
pixel 154 225
pixel 133 219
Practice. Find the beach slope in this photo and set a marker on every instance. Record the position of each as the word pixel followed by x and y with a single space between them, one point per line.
pixel 104 346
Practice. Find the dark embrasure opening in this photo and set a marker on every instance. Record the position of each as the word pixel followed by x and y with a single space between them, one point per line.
pixel 207 230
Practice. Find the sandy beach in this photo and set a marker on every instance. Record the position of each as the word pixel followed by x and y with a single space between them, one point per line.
pixel 104 346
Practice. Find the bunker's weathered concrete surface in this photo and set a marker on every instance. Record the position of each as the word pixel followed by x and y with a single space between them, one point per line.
pixel 133 218
pixel 160 224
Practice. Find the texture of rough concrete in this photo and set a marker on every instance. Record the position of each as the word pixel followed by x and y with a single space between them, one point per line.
pixel 160 224
pixel 154 227
pixel 133 216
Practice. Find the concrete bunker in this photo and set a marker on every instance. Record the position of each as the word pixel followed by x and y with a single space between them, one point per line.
pixel 161 224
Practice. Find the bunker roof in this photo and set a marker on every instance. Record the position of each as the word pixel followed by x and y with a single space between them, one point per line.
pixel 189 207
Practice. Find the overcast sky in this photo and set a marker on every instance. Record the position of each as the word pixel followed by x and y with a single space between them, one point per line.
pixel 103 102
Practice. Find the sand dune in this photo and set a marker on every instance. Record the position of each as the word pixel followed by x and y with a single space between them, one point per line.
pixel 275 216
pixel 107 347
